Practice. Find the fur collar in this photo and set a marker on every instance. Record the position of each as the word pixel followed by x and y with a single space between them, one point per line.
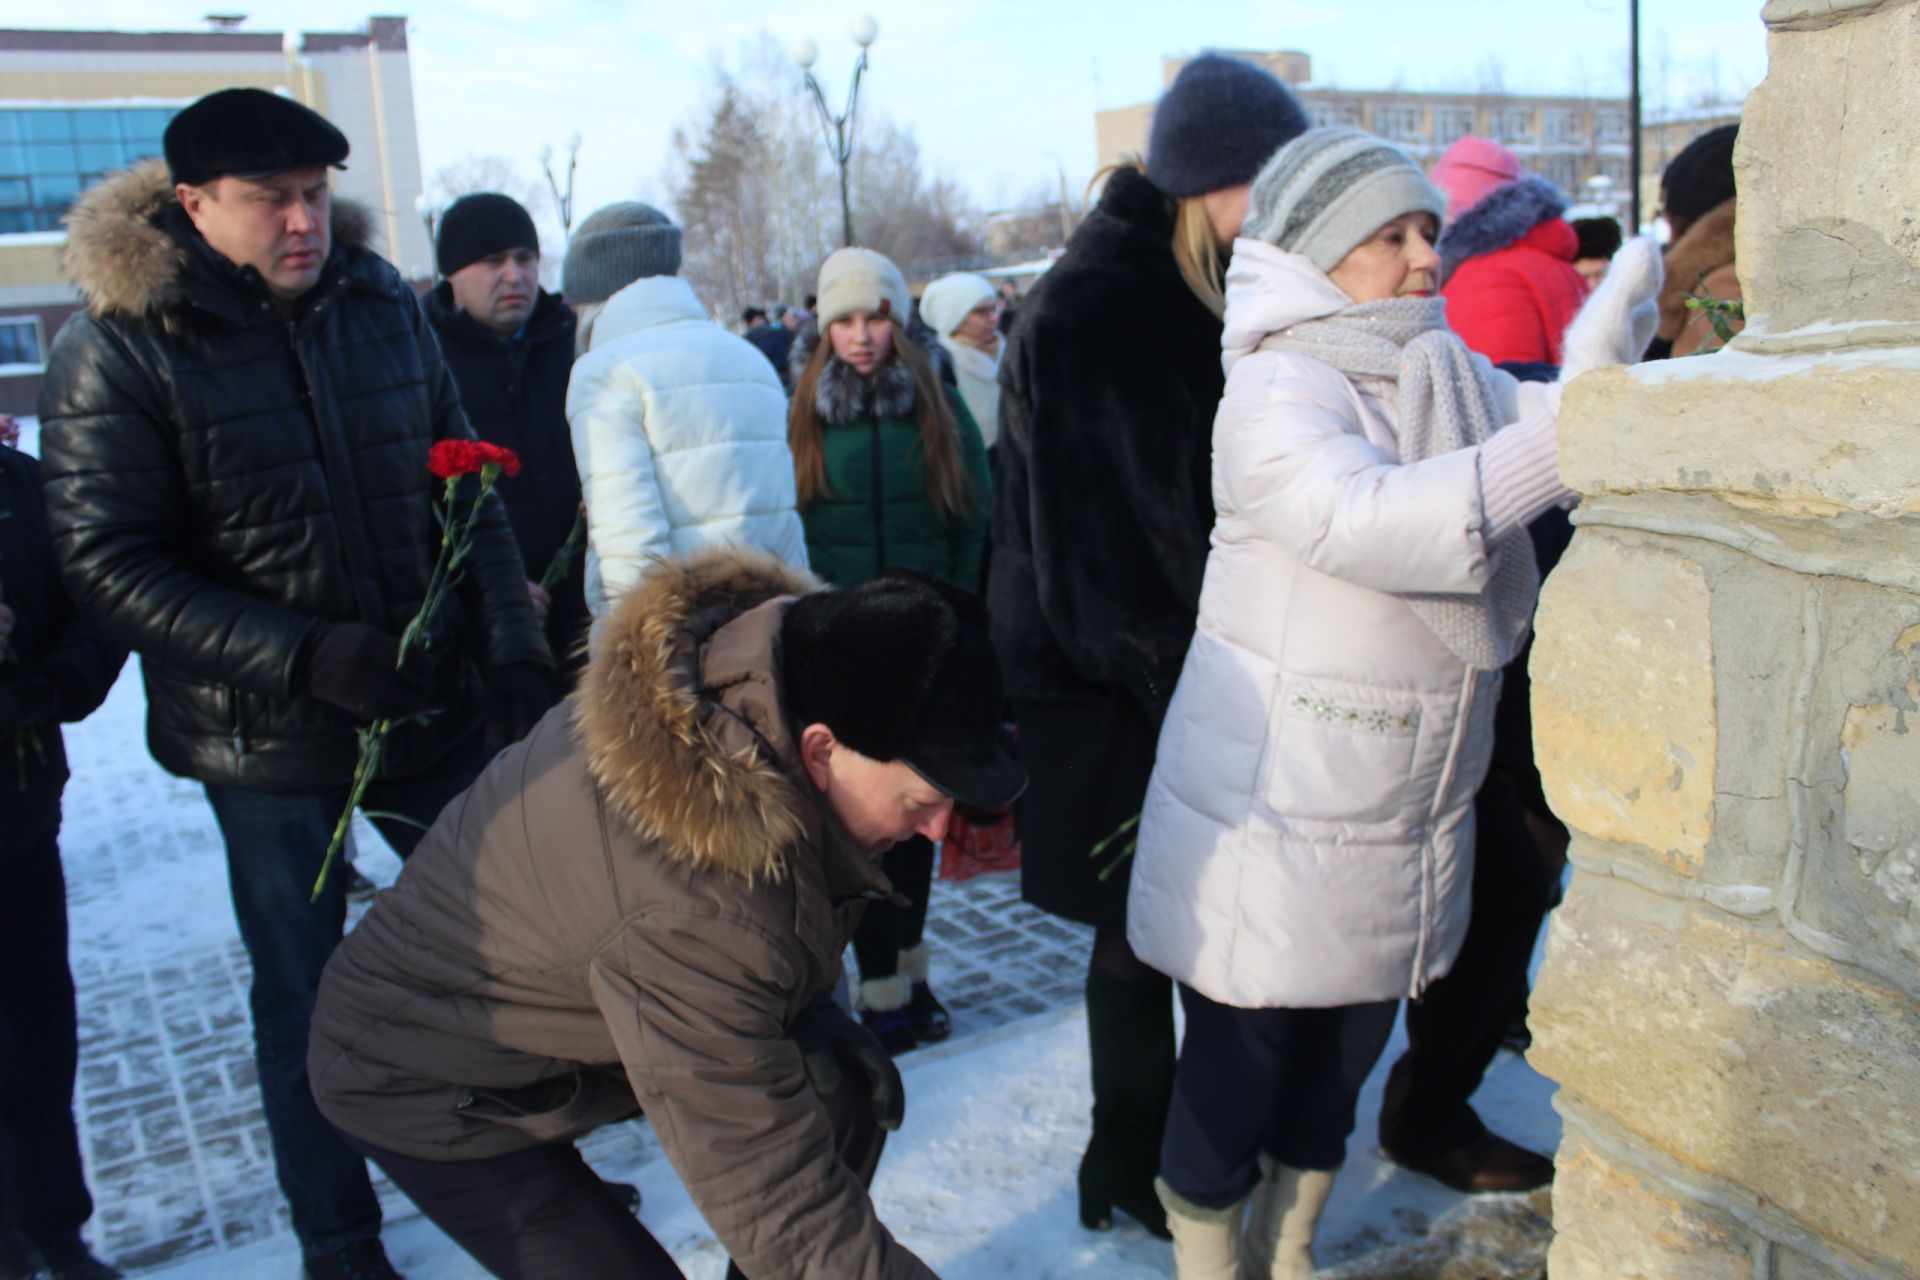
pixel 1498 220
pixel 844 395
pixel 1705 248
pixel 683 763
pixel 126 263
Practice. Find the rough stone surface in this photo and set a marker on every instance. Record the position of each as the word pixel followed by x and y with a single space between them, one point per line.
pixel 1624 723
pixel 1616 1224
pixel 1827 228
pixel 1883 810
pixel 1485 1238
pixel 1697 428
pixel 1738 1055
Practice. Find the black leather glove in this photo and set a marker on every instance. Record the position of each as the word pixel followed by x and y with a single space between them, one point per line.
pixel 830 1038
pixel 518 694
pixel 26 700
pixel 351 665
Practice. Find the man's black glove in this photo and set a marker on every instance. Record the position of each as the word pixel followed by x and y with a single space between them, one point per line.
pixel 830 1038
pixel 518 694
pixel 352 666
pixel 26 700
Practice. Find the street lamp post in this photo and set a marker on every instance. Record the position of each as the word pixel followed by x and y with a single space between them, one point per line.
pixel 562 200
pixel 839 129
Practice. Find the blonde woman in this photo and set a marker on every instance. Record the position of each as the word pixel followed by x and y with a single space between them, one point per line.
pixel 1101 517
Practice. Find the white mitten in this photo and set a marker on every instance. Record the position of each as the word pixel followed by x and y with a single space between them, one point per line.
pixel 1617 322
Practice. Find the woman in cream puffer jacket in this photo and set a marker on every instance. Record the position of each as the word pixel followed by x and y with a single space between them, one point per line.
pixel 680 432
pixel 1305 849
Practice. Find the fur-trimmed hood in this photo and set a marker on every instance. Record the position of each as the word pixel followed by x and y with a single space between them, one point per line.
pixel 844 395
pixel 681 716
pixel 124 259
pixel 1504 216
pixel 1706 247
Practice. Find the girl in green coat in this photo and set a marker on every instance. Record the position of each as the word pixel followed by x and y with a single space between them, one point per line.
pixel 891 473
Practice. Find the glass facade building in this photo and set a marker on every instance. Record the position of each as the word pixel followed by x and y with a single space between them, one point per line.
pixel 48 155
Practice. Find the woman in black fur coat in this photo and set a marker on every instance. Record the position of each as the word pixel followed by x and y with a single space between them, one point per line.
pixel 1102 512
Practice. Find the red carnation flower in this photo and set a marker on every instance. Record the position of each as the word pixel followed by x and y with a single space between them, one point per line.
pixel 506 459
pixel 450 458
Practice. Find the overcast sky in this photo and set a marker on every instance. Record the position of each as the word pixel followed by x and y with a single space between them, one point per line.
pixel 1000 93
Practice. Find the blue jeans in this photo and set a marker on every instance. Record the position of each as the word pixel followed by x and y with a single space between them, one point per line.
pixel 275 843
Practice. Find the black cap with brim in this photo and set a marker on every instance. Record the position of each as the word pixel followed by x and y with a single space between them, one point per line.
pixel 249 133
pixel 991 784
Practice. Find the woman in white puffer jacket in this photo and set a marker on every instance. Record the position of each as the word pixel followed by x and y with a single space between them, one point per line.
pixel 679 427
pixel 1306 845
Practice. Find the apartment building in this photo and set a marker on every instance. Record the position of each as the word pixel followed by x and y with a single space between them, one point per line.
pixel 1568 140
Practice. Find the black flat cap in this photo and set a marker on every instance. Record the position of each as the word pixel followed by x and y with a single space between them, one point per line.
pixel 249 133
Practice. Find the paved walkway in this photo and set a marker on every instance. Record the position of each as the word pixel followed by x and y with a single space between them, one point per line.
pixel 176 1148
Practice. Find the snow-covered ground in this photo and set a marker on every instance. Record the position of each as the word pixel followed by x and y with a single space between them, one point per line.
pixel 979 1182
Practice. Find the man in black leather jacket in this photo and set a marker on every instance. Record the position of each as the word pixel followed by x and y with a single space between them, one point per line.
pixel 234 436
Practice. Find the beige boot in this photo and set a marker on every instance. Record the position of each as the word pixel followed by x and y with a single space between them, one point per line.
pixel 1206 1242
pixel 1282 1213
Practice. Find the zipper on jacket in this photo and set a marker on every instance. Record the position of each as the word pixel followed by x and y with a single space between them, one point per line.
pixel 232 697
pixel 879 500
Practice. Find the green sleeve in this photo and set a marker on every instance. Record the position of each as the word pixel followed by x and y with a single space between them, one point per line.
pixel 967 535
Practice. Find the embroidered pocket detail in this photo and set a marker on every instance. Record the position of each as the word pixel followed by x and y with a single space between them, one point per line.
pixel 1390 721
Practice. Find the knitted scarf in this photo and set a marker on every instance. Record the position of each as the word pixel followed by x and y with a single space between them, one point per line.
pixel 1445 402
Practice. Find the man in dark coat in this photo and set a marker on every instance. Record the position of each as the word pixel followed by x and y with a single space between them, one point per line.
pixel 771 340
pixel 509 344
pixel 235 435
pixel 54 669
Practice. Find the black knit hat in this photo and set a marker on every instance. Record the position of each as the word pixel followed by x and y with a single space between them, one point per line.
pixel 1599 237
pixel 900 668
pixel 1217 124
pixel 248 133
pixel 1700 179
pixel 475 226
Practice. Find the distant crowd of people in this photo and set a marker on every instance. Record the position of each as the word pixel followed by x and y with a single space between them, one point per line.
pixel 1240 526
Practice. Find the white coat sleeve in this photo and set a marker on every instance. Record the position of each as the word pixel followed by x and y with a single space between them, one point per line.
pixel 1295 464
pixel 627 527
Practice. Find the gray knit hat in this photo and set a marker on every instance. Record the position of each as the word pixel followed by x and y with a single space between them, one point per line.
pixel 1330 189
pixel 616 246
pixel 1215 125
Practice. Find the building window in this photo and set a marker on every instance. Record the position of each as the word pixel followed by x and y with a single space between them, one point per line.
pixel 1336 113
pixel 1610 128
pixel 1563 128
pixel 1450 124
pixel 20 340
pixel 48 155
pixel 1513 126
pixel 1563 171
pixel 1400 124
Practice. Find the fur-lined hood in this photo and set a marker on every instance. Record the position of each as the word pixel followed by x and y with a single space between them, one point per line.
pixel 127 263
pixel 844 395
pixel 1505 215
pixel 680 713
pixel 1706 247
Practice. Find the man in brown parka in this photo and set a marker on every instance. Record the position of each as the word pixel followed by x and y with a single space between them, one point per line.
pixel 642 907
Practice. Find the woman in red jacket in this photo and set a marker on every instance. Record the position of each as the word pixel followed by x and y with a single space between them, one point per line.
pixel 1506 257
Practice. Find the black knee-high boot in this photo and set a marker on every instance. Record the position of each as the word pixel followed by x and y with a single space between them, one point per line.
pixel 1130 1038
